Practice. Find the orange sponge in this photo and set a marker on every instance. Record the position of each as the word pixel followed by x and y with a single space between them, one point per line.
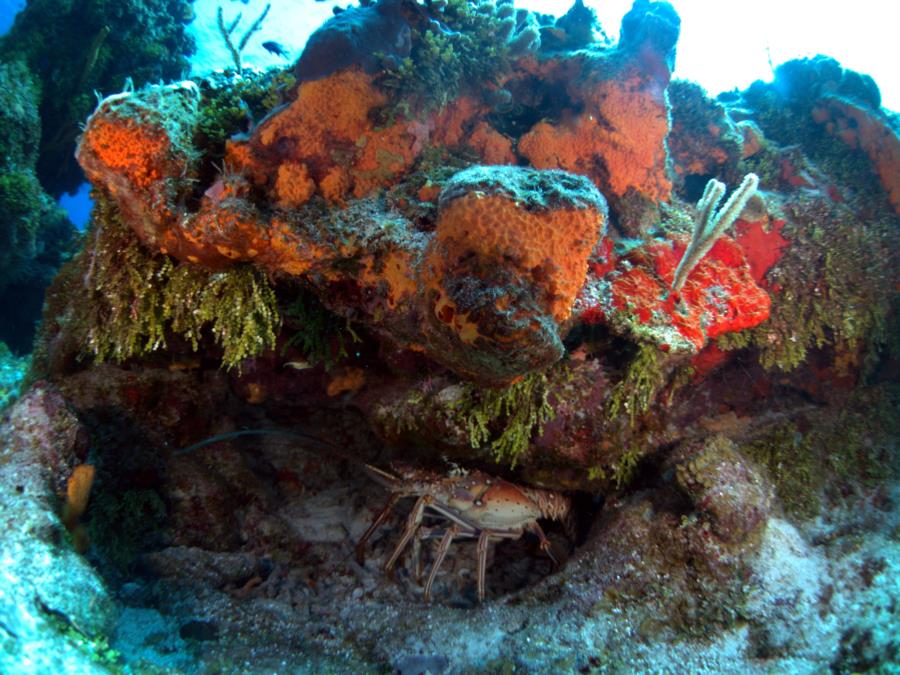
pixel 539 225
pixel 328 129
pixel 128 148
pixel 293 185
pixel 618 141
pixel 549 248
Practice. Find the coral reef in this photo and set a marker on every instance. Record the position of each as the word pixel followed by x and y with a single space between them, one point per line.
pixel 12 373
pixel 75 49
pixel 834 221
pixel 480 268
pixel 132 141
pixel 473 240
pixel 35 234
pixel 47 582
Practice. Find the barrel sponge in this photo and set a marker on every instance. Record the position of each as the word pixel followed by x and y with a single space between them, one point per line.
pixel 543 224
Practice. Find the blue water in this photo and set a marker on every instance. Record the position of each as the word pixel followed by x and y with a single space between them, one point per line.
pixel 78 205
pixel 8 11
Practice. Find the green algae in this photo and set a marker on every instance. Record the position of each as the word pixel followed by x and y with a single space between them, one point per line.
pixel 852 448
pixel 505 420
pixel 321 335
pixel 648 380
pixel 97 650
pixel 834 290
pixel 500 421
pixel 644 378
pixel 834 286
pixel 461 45
pixel 133 300
pixel 121 525
pixel 623 469
pixel 231 105
pixel 789 462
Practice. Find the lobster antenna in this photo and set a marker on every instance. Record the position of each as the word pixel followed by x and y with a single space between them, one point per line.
pixel 229 435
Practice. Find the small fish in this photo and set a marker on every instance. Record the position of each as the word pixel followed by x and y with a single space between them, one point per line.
pixel 181 365
pixel 301 364
pixel 78 492
pixel 275 48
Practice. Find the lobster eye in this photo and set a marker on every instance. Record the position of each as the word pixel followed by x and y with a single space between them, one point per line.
pixel 478 502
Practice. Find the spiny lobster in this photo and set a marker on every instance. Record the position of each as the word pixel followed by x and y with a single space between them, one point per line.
pixel 477 504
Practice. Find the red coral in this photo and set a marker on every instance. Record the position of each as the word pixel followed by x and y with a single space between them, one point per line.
pixel 763 247
pixel 708 360
pixel 720 295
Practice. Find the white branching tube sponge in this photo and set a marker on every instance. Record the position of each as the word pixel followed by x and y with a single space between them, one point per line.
pixel 710 224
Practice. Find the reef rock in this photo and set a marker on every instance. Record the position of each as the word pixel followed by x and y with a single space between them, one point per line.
pixel 487 283
pixel 466 234
pixel 35 234
pixel 46 582
pixel 485 294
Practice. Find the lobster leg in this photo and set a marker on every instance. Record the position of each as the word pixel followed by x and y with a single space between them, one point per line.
pixel 534 528
pixel 483 541
pixel 412 524
pixel 446 540
pixel 421 534
pixel 379 519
